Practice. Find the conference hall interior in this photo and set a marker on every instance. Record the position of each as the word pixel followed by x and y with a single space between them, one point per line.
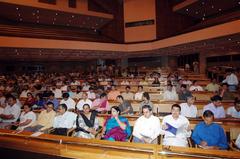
pixel 120 79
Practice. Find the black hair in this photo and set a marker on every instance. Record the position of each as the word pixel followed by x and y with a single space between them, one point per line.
pixel 29 106
pixel 117 109
pixel 184 86
pixel 236 101
pixel 146 95
pixel 216 98
pixel 128 87
pixel 86 105
pixel 225 84
pixel 50 103
pixel 64 106
pixel 208 113
pixel 147 107
pixel 120 96
pixel 140 86
pixel 51 94
pixel 176 106
pixel 65 95
pixel 103 95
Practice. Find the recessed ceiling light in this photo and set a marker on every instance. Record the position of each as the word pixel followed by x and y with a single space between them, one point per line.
pixel 17 8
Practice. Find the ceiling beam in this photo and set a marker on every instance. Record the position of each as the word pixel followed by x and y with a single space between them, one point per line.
pixel 183 4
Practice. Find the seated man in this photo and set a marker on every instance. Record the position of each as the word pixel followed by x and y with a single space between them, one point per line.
pixel 87 123
pixel 225 93
pixel 63 121
pixel 183 92
pixel 216 107
pixel 146 101
pixel 177 128
pixel 213 86
pixel 139 94
pixel 195 87
pixel 127 95
pixel 44 121
pixel 10 113
pixel 188 109
pixel 147 127
pixel 234 111
pixel 70 103
pixel 170 94
pixel 209 135
pixel 83 101
pixel 53 100
pixel 124 106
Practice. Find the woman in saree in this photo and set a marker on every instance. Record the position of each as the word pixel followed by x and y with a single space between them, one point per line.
pixel 116 127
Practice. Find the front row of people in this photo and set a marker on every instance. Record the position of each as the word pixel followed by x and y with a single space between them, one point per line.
pixel 175 128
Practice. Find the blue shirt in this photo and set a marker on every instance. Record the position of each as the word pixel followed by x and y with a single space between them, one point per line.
pixel 55 103
pixel 213 134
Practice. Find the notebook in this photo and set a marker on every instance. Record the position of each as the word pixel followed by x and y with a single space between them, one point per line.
pixel 171 129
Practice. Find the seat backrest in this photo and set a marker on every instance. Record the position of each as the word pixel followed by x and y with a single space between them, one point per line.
pixel 234 132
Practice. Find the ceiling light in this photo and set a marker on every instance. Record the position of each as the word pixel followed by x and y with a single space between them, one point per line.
pixel 220 9
pixel 17 8
pixel 72 16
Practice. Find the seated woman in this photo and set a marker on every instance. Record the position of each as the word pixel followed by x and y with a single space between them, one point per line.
pixel 87 123
pixel 39 103
pixel 27 118
pixel 30 99
pixel 116 128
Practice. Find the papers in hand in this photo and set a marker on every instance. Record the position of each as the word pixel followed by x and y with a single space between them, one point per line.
pixel 145 136
pixel 36 134
pixel 171 129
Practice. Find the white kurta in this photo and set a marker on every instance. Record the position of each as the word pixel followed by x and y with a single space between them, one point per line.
pixel 14 110
pixel 233 112
pixel 67 120
pixel 180 139
pixel 147 127
pixel 188 111
pixel 82 102
pixel 69 102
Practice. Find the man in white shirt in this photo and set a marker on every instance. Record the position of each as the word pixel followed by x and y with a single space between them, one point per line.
pixel 127 95
pixel 68 101
pixel 139 94
pixel 177 128
pixel 10 113
pixel 234 111
pixel 195 87
pixel 216 107
pixel 91 94
pixel 57 91
pixel 188 109
pixel 63 121
pixel 147 127
pixel 231 80
pixel 170 94
pixel 83 101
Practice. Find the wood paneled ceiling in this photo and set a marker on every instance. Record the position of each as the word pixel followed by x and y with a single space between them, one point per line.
pixel 19 13
pixel 226 44
pixel 205 9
